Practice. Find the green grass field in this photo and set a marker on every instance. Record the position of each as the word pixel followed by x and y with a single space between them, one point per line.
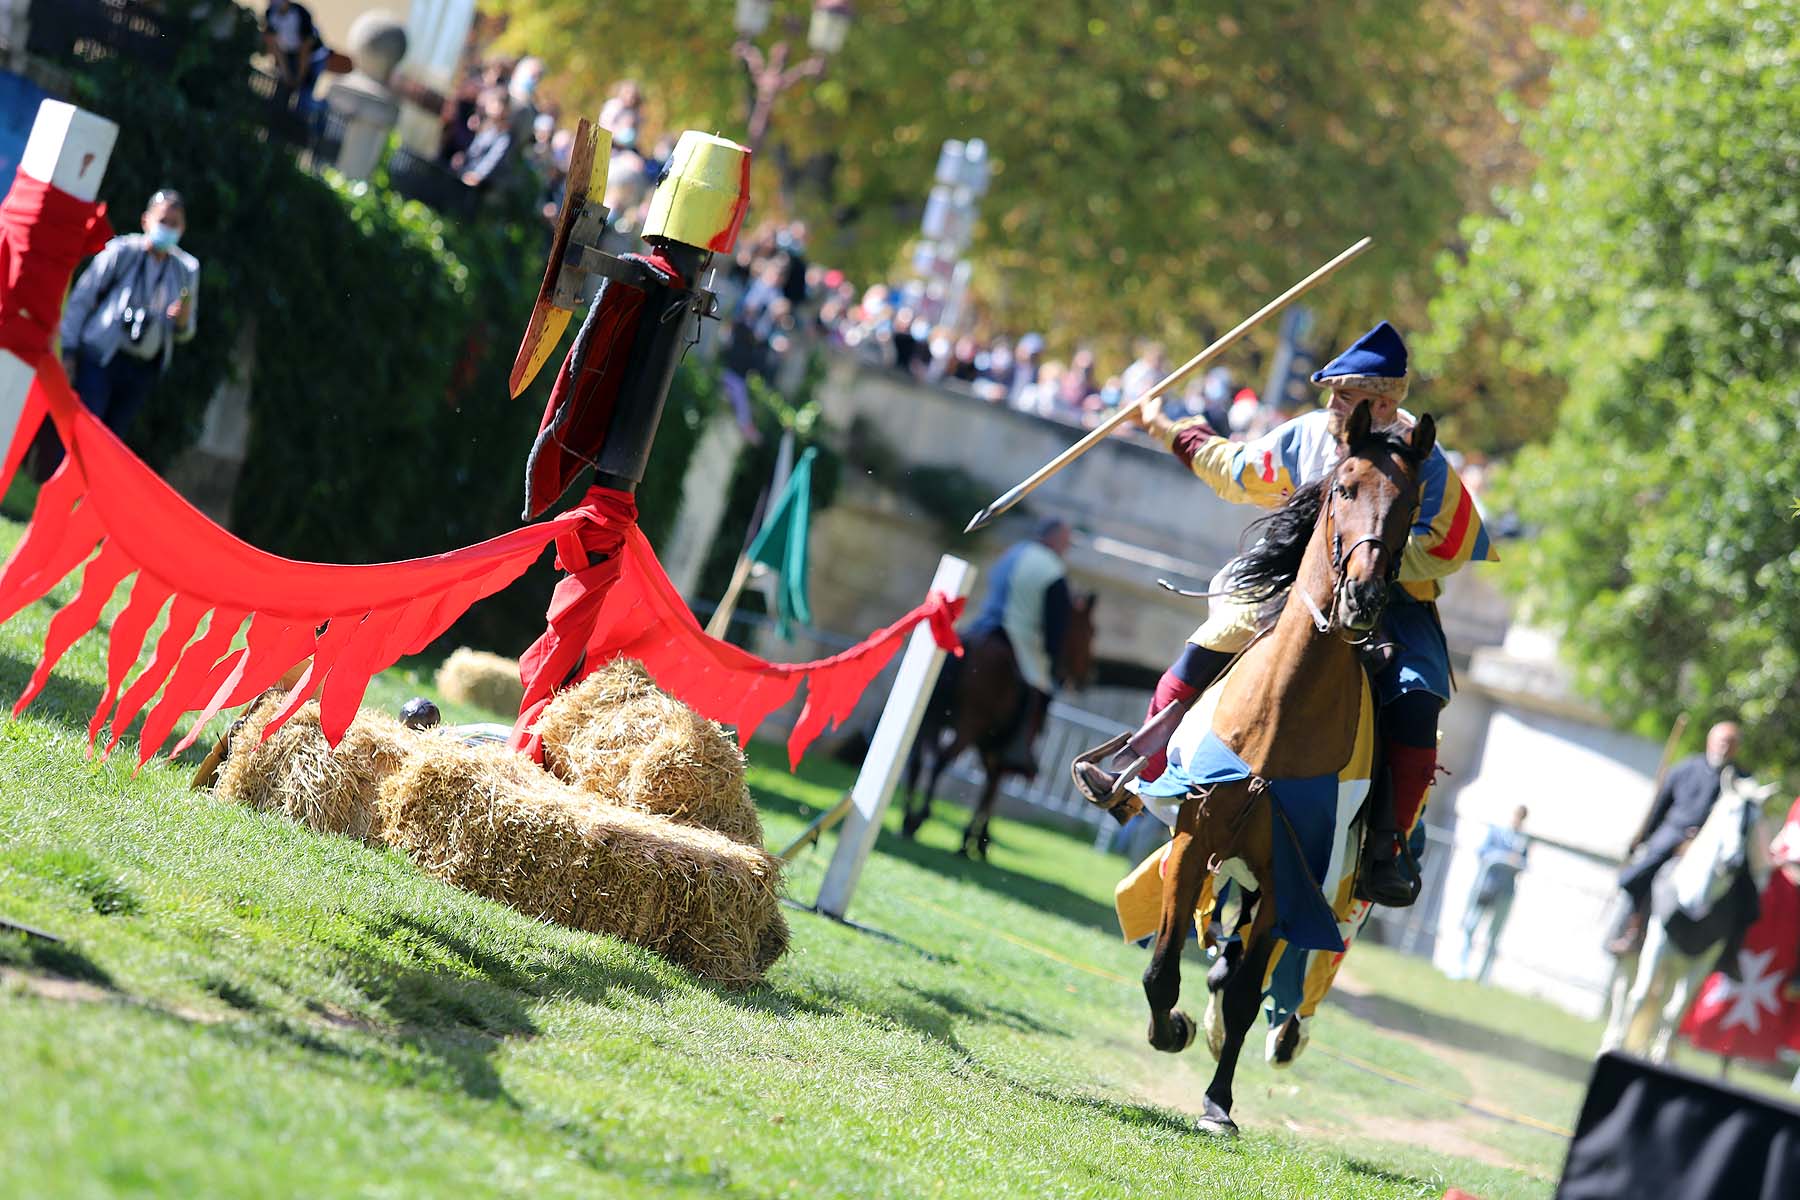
pixel 246 1008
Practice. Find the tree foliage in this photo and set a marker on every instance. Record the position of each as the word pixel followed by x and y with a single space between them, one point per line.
pixel 1161 166
pixel 1648 268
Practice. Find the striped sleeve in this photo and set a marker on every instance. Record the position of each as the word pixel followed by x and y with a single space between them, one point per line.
pixel 1448 532
pixel 1259 472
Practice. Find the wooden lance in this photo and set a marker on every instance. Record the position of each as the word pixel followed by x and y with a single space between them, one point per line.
pixel 1126 411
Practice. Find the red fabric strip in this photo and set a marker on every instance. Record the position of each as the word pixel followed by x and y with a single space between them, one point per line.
pixel 270 648
pixel 156 527
pixel 187 685
pixel 126 642
pixel 59 537
pixel 349 678
pixel 1459 529
pixel 184 617
pixel 77 617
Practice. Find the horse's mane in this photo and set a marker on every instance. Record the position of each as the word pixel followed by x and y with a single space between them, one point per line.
pixel 1270 551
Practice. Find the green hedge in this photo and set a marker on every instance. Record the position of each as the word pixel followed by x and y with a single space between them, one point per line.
pixel 381 427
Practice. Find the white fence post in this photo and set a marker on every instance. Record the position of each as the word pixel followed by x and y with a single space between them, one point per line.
pixel 69 150
pixel 893 738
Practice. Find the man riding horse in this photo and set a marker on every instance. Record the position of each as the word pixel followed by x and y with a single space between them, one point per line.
pixel 1682 803
pixel 1411 660
pixel 1028 606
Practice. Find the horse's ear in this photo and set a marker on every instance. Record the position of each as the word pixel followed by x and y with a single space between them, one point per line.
pixel 1424 437
pixel 1357 431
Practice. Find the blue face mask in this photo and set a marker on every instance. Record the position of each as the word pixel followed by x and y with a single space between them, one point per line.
pixel 164 237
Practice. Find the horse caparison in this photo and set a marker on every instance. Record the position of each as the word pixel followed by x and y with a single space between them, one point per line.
pixel 1289 709
pixel 974 703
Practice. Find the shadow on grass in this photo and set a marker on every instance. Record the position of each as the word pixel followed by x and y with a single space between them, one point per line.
pixel 1040 894
pixel 53 958
pixel 1397 1015
pixel 1037 893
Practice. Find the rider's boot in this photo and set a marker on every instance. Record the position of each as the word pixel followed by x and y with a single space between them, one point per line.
pixel 1189 676
pixel 1383 878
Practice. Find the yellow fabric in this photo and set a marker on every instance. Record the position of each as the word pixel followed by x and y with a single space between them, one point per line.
pixel 1221 465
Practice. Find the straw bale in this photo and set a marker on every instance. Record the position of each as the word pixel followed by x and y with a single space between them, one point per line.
pixel 617 735
pixel 488 820
pixel 484 680
pixel 297 774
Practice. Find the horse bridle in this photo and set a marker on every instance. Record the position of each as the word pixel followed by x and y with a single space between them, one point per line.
pixel 1340 567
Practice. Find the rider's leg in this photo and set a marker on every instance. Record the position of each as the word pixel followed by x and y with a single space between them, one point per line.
pixel 1408 762
pixel 1018 756
pixel 1185 679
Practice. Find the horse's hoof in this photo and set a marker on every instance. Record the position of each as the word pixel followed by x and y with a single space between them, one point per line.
pixel 1216 1122
pixel 1215 1027
pixel 1285 1043
pixel 1181 1033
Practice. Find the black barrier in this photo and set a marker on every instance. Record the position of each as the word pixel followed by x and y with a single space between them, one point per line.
pixel 1653 1131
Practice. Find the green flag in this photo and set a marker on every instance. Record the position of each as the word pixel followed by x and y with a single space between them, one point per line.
pixel 781 544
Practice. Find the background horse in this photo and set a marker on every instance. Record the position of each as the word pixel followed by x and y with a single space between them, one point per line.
pixel 1701 902
pixel 1289 709
pixel 975 702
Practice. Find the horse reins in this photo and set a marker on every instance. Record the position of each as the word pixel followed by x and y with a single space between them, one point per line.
pixel 1340 569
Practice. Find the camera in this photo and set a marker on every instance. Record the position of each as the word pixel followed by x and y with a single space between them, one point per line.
pixel 133 318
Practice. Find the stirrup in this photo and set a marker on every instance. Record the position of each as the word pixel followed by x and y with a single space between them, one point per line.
pixel 1102 788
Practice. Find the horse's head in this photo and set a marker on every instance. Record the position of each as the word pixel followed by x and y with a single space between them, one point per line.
pixel 1078 641
pixel 1367 511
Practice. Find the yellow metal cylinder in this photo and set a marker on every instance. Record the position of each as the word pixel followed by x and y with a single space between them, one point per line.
pixel 704 194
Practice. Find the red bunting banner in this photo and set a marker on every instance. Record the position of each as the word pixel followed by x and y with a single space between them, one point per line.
pixel 239 618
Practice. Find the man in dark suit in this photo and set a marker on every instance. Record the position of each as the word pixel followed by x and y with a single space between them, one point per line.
pixel 1681 805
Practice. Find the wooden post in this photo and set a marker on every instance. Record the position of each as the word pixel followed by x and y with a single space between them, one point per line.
pixel 69 150
pixel 893 738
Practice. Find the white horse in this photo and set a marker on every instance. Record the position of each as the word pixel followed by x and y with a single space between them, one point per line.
pixel 1700 900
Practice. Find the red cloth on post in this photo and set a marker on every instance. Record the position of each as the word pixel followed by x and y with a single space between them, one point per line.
pixel 44 234
pixel 239 618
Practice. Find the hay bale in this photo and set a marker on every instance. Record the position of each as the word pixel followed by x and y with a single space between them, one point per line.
pixel 488 820
pixel 622 738
pixel 297 774
pixel 484 680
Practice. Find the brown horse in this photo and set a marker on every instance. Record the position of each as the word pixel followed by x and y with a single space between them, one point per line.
pixel 975 700
pixel 1289 709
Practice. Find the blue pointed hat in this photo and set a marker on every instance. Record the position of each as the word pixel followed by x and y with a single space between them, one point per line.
pixel 1375 362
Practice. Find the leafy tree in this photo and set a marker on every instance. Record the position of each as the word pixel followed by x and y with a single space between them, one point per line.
pixel 1648 269
pixel 1161 166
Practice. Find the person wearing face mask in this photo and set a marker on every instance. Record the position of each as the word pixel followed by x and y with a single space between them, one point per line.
pixel 1681 805
pixel 292 40
pixel 1412 681
pixel 128 310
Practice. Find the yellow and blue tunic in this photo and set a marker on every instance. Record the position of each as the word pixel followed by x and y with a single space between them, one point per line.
pixel 1447 533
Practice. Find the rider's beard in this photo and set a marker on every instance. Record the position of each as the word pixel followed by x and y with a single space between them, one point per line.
pixel 1335 422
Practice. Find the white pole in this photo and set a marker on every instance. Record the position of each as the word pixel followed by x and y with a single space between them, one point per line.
pixel 69 150
pixel 893 738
